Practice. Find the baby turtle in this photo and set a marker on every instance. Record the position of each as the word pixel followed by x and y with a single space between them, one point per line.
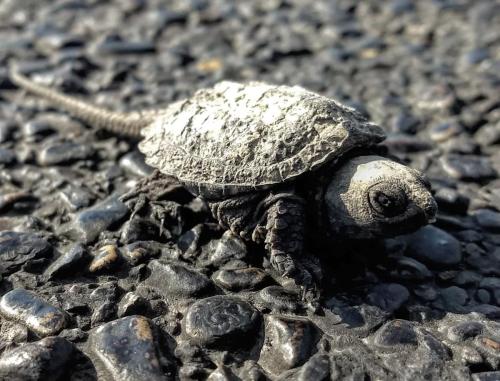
pixel 265 157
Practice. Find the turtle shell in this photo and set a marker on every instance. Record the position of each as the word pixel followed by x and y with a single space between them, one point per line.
pixel 234 138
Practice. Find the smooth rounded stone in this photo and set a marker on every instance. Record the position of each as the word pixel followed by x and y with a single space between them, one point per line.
pixel 488 135
pixel 140 251
pixel 486 376
pixel 29 309
pixel 221 320
pixel 138 229
pixel 10 199
pixel 467 167
pixel 7 156
pixel 466 330
pixel 118 46
pixel 453 297
pixel 37 127
pixel 128 349
pixel 241 279
pixel 426 292
pixel 389 297
pixel 227 248
pixel 396 332
pixel 288 343
pixel 105 258
pixel 17 249
pixel 63 153
pixel 68 263
pixel 133 163
pixel 277 298
pixel 444 131
pixel 52 42
pixel 411 269
pixel 488 219
pixel 46 359
pixel 483 296
pixel 449 199
pixel 132 304
pixel 88 224
pixel 7 129
pixel 316 368
pixel 175 280
pixel 433 246
pixel 491 283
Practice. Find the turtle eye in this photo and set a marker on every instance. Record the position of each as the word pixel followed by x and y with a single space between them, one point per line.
pixel 388 202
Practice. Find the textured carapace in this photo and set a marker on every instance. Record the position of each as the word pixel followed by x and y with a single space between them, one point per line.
pixel 237 137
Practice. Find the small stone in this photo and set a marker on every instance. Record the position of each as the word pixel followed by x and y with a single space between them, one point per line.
pixel 37 127
pixel 453 298
pixel 29 309
pixel 47 359
pixel 63 153
pixel 67 263
pixel 449 199
pixel 486 376
pixel 411 269
pixel 12 199
pixel 444 131
pixel 288 343
pixel 316 368
pixel 477 56
pixel 133 162
pixel 106 257
pixel 396 332
pixel 131 304
pixel 7 156
pixel 138 229
pixel 102 313
pixel 16 249
pixel 220 320
pixel 467 167
pixel 488 219
pixel 173 280
pixel 488 135
pixel 116 45
pixel 227 248
pixel 74 335
pixel 277 298
pixel 389 297
pixel 463 331
pixel 241 279
pixel 483 296
pixel 434 246
pixel 128 349
pixel 89 223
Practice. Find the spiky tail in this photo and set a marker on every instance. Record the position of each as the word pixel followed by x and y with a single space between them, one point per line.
pixel 118 122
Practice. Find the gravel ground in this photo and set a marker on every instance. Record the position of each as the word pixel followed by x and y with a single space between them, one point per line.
pixel 88 294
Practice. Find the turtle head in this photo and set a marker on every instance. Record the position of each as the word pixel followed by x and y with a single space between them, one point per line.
pixel 372 196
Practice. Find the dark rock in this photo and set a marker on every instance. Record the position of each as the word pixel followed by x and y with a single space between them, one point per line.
pixel 468 167
pixel 466 330
pixel 67 263
pixel 411 269
pixel 396 332
pixel 128 349
pixel 140 229
pixel 277 298
pixel 488 135
pixel 486 376
pixel 105 258
pixel 227 248
pixel 29 309
pixel 47 359
pixel 63 153
pixel 316 368
pixel 488 219
pixel 434 247
pixel 173 280
pixel 131 304
pixel 241 279
pixel 221 320
pixel 74 335
pixel 449 199
pixel 389 297
pixel 37 127
pixel 118 46
pixel 7 156
pixel 103 312
pixel 288 343
pixel 16 249
pixel 89 223
pixel 453 298
pixel 133 163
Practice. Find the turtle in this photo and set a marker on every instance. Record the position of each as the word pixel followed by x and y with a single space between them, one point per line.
pixel 272 162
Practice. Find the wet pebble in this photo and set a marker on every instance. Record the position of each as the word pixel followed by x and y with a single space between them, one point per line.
pixel 46 359
pixel 434 246
pixel 88 224
pixel 221 320
pixel 389 297
pixel 174 280
pixel 468 167
pixel 105 258
pixel 241 279
pixel 278 299
pixel 63 153
pixel 288 343
pixel 488 219
pixel 128 349
pixel 67 263
pixel 28 308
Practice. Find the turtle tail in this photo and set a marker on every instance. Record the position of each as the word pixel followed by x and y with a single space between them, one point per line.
pixel 129 124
